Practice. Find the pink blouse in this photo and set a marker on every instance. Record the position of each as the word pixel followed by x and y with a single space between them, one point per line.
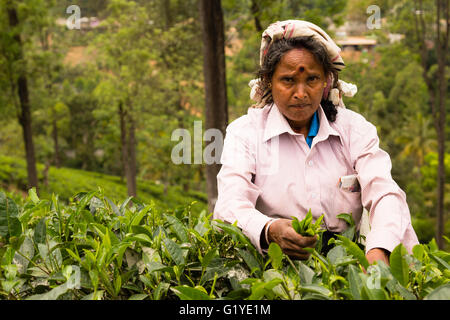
pixel 268 171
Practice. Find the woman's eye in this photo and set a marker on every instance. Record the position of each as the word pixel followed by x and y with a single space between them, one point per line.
pixel 287 79
pixel 313 78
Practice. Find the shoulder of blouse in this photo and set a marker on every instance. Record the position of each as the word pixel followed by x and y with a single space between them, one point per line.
pixel 248 125
pixel 351 124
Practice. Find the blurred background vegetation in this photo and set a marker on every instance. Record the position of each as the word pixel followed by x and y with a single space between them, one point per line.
pixel 133 73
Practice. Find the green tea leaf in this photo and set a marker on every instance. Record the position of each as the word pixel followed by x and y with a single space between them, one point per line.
pixel 349 233
pixel 235 232
pixel 296 225
pixel 322 291
pixel 440 293
pixel 73 255
pixel 137 218
pixel 24 255
pixel 40 232
pixel 373 294
pixel 418 252
pixel 175 251
pixel 354 282
pixel 306 274
pixel 138 237
pixel 138 296
pixel 50 295
pixel 276 255
pixel 97 295
pixel 347 218
pixel 113 206
pixel 405 293
pixel 33 195
pixel 178 227
pixel 10 225
pixel 399 267
pixel 117 283
pixel 211 254
pixel 124 205
pixel 353 249
pixel 335 253
pixel 251 261
pixel 444 265
pixel 189 293
pixel 160 290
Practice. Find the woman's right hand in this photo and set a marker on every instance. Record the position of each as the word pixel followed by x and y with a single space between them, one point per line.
pixel 292 243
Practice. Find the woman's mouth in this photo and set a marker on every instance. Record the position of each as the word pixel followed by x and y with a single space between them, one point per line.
pixel 300 105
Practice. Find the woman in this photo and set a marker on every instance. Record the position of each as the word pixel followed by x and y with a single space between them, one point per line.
pixel 300 149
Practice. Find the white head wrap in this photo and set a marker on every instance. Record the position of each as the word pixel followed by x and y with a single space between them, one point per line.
pixel 296 28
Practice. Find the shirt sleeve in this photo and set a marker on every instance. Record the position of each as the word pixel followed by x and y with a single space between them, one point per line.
pixel 389 216
pixel 237 194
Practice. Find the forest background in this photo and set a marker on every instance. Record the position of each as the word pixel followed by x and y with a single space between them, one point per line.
pixel 105 97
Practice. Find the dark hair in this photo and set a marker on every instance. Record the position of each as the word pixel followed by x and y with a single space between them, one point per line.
pixel 280 47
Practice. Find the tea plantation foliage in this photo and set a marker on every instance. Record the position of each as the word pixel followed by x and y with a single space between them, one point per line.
pixel 93 248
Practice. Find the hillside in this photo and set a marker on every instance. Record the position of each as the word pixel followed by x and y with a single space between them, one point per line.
pixel 67 182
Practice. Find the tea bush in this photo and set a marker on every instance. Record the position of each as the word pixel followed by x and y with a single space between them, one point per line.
pixel 94 248
pixel 65 182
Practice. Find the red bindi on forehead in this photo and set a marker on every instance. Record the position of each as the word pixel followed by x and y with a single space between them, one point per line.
pixel 299 60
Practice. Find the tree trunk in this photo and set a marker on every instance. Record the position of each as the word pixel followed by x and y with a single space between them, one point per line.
pixel 25 112
pixel 216 105
pixel 131 178
pixel 123 140
pixel 56 160
pixel 256 13
pixel 167 13
pixel 127 139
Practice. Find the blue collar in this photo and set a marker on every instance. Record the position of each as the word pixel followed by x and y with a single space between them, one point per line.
pixel 313 129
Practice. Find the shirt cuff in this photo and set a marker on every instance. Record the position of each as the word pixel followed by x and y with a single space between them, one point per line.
pixel 266 234
pixel 381 239
pixel 254 228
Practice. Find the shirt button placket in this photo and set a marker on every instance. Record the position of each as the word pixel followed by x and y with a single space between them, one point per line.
pixel 312 181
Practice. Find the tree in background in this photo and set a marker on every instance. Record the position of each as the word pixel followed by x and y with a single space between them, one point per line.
pixel 216 105
pixel 427 27
pixel 15 68
pixel 125 54
pixel 179 94
pixel 437 89
pixel 46 66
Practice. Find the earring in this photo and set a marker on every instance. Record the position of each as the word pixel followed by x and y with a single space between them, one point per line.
pixel 325 85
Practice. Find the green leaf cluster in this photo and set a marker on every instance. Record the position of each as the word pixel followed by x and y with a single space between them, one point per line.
pixel 96 249
pixel 305 227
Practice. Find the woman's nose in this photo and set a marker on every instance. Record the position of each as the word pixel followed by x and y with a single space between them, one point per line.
pixel 300 92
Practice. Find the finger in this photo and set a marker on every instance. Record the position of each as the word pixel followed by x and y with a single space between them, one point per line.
pixel 309 241
pixel 299 241
pixel 304 241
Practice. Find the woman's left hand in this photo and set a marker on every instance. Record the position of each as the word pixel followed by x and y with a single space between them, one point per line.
pixel 377 254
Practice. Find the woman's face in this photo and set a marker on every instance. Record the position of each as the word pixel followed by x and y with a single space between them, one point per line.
pixel 297 87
